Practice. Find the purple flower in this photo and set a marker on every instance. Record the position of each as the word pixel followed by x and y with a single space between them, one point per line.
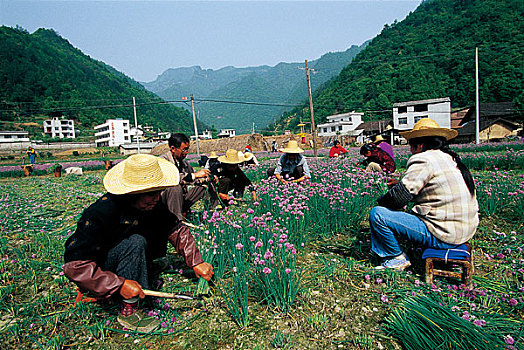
pixel 513 302
pixel 252 238
pixel 367 277
pixel 235 269
pixel 288 270
pixel 266 270
pixel 508 339
pixel 239 246
pixel 384 298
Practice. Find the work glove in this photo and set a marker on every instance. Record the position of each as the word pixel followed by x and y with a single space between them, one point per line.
pixel 204 270
pixel 223 196
pixel 131 289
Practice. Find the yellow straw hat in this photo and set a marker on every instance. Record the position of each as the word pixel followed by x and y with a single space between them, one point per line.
pixel 247 156
pixel 231 157
pixel 213 155
pixel 428 127
pixel 141 173
pixel 292 147
pixel 379 138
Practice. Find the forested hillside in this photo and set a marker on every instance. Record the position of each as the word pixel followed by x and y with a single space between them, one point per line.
pixel 284 84
pixel 43 75
pixel 430 54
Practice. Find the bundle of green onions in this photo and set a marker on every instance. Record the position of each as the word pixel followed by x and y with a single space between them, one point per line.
pixel 423 323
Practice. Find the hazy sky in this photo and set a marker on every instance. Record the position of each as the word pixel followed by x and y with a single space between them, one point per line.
pixel 144 38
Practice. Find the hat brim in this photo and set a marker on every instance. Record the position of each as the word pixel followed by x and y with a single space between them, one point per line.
pixel 248 156
pixel 292 150
pixel 448 134
pixel 114 183
pixel 214 157
pixel 225 160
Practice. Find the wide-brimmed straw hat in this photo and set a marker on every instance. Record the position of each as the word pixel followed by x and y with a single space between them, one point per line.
pixel 292 147
pixel 213 155
pixel 379 138
pixel 428 127
pixel 141 173
pixel 247 156
pixel 231 157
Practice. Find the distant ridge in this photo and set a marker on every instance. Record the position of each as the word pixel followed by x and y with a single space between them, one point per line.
pixel 430 54
pixel 43 75
pixel 284 83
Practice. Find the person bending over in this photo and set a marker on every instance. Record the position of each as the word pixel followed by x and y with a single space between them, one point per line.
pixel 112 253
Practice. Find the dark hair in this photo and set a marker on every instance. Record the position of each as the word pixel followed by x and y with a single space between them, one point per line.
pixel 336 142
pixel 177 140
pixel 440 143
pixel 368 147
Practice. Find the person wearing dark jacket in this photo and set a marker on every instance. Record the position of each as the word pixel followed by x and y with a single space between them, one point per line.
pixel 179 199
pixel 118 237
pixel 230 177
pixel 376 160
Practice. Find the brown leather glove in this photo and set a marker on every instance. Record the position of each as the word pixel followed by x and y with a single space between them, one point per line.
pixel 131 289
pixel 204 270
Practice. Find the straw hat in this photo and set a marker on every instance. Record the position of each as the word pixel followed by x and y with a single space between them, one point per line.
pixel 213 155
pixel 428 127
pixel 292 147
pixel 379 138
pixel 141 173
pixel 231 157
pixel 247 156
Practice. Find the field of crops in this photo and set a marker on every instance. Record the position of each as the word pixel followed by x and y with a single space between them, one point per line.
pixel 292 271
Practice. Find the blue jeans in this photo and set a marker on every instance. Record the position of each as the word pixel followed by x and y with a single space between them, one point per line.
pixel 387 226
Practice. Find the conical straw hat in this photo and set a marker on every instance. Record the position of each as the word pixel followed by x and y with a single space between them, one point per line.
pixel 292 147
pixel 231 157
pixel 141 173
pixel 428 127
pixel 213 155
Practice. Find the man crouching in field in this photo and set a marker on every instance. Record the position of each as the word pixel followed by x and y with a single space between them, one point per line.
pixel 117 238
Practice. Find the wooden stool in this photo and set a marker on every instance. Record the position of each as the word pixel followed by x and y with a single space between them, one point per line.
pixel 438 257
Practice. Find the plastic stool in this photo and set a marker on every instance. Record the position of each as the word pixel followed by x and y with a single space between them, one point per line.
pixel 446 260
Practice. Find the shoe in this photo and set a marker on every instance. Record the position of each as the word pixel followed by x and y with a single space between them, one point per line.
pixel 138 322
pixel 397 263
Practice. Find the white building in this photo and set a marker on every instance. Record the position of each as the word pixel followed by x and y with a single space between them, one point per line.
pixel 14 140
pixel 114 132
pixel 226 133
pixel 340 124
pixel 61 128
pixel 406 114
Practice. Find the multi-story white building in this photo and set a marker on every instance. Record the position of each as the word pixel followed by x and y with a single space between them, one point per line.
pixel 62 128
pixel 340 124
pixel 113 133
pixel 406 114
pixel 226 133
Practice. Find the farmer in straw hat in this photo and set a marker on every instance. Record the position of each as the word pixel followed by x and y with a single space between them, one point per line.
pixel 292 166
pixel 445 214
pixel 230 177
pixel 212 160
pixel 180 199
pixel 381 143
pixel 113 250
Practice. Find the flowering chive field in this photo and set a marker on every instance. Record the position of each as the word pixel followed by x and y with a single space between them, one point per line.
pixel 292 270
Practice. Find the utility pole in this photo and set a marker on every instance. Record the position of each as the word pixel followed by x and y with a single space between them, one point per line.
pixel 477 98
pixel 313 128
pixel 136 127
pixel 195 124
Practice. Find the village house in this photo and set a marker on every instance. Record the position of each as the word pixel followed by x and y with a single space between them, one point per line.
pixel 113 133
pixel 59 128
pixel 226 133
pixel 374 128
pixel 406 114
pixel 14 140
pixel 344 124
pixel 498 121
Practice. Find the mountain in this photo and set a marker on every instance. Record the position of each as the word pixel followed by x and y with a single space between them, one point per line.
pixel 43 75
pixel 430 54
pixel 281 86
